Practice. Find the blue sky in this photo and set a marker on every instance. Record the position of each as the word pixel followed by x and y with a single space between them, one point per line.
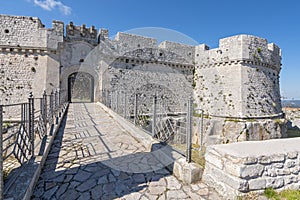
pixel 205 21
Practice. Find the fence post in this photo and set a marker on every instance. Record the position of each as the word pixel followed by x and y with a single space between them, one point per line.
pixel 51 107
pixel 58 104
pixel 45 109
pixel 135 108
pixel 55 100
pixel 154 115
pixel 1 153
pixel 202 127
pixel 31 122
pixel 189 131
pixel 58 96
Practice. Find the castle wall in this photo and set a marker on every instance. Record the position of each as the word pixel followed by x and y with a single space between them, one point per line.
pixel 185 51
pixel 132 63
pixel 129 42
pixel 22 31
pixel 19 73
pixel 248 68
pixel 218 90
pixel 236 84
pixel 27 57
pixel 260 93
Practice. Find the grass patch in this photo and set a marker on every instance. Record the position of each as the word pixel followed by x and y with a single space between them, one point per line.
pixel 197 155
pixel 290 194
pixel 270 193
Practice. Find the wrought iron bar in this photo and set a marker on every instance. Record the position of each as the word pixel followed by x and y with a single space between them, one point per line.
pixel 1 153
pixel 202 130
pixel 154 115
pixel 189 131
pixel 135 109
pixel 45 109
pixel 51 108
pixel 31 122
pixel 58 96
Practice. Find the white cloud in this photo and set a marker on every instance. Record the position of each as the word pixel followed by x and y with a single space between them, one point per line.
pixel 52 4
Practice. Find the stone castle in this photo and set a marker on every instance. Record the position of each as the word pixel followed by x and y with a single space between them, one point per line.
pixel 236 84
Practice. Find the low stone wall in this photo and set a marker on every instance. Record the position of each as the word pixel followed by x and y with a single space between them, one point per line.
pixel 238 168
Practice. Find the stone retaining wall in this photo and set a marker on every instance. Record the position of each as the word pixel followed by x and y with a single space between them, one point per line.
pixel 238 168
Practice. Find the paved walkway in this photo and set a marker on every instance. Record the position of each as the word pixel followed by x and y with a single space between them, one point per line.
pixel 93 157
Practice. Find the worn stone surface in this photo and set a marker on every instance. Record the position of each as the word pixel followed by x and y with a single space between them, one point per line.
pixel 106 174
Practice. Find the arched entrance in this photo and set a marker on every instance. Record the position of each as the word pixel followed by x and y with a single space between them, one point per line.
pixel 80 87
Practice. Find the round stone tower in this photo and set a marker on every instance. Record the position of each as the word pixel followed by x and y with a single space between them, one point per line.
pixel 237 86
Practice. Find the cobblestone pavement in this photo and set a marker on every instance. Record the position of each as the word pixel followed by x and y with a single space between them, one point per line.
pixel 93 157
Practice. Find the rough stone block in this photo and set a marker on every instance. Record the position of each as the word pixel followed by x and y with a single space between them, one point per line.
pixel 264 160
pixel 278 165
pixel 187 172
pixel 271 172
pixel 232 181
pixel 290 164
pixel 277 158
pixel 282 172
pixel 251 171
pixel 292 155
pixel 274 182
pixel 295 170
pixel 290 179
pixel 257 184
pixel 233 169
pixel 215 160
pixel 250 161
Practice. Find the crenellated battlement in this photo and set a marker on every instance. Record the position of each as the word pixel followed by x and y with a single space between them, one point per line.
pixel 244 48
pixel 237 80
pixel 81 33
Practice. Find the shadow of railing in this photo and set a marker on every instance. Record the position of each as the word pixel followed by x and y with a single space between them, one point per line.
pixel 106 175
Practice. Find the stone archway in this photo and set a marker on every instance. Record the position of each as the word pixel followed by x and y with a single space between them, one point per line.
pixel 80 87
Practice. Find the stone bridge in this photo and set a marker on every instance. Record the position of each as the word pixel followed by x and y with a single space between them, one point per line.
pixel 93 156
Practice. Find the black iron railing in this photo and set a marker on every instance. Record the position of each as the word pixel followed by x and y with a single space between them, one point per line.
pixel 22 128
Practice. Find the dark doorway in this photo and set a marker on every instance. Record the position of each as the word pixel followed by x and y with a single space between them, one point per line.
pixel 80 87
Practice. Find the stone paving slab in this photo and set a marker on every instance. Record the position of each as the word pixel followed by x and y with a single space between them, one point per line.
pixel 97 159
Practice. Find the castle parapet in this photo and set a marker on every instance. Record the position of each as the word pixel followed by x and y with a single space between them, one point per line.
pixel 240 48
pixel 81 33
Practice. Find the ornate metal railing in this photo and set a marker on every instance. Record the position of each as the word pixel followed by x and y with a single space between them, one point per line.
pixel 22 128
pixel 166 120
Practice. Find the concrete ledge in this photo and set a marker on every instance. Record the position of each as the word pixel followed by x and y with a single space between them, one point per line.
pixel 186 172
pixel 238 168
